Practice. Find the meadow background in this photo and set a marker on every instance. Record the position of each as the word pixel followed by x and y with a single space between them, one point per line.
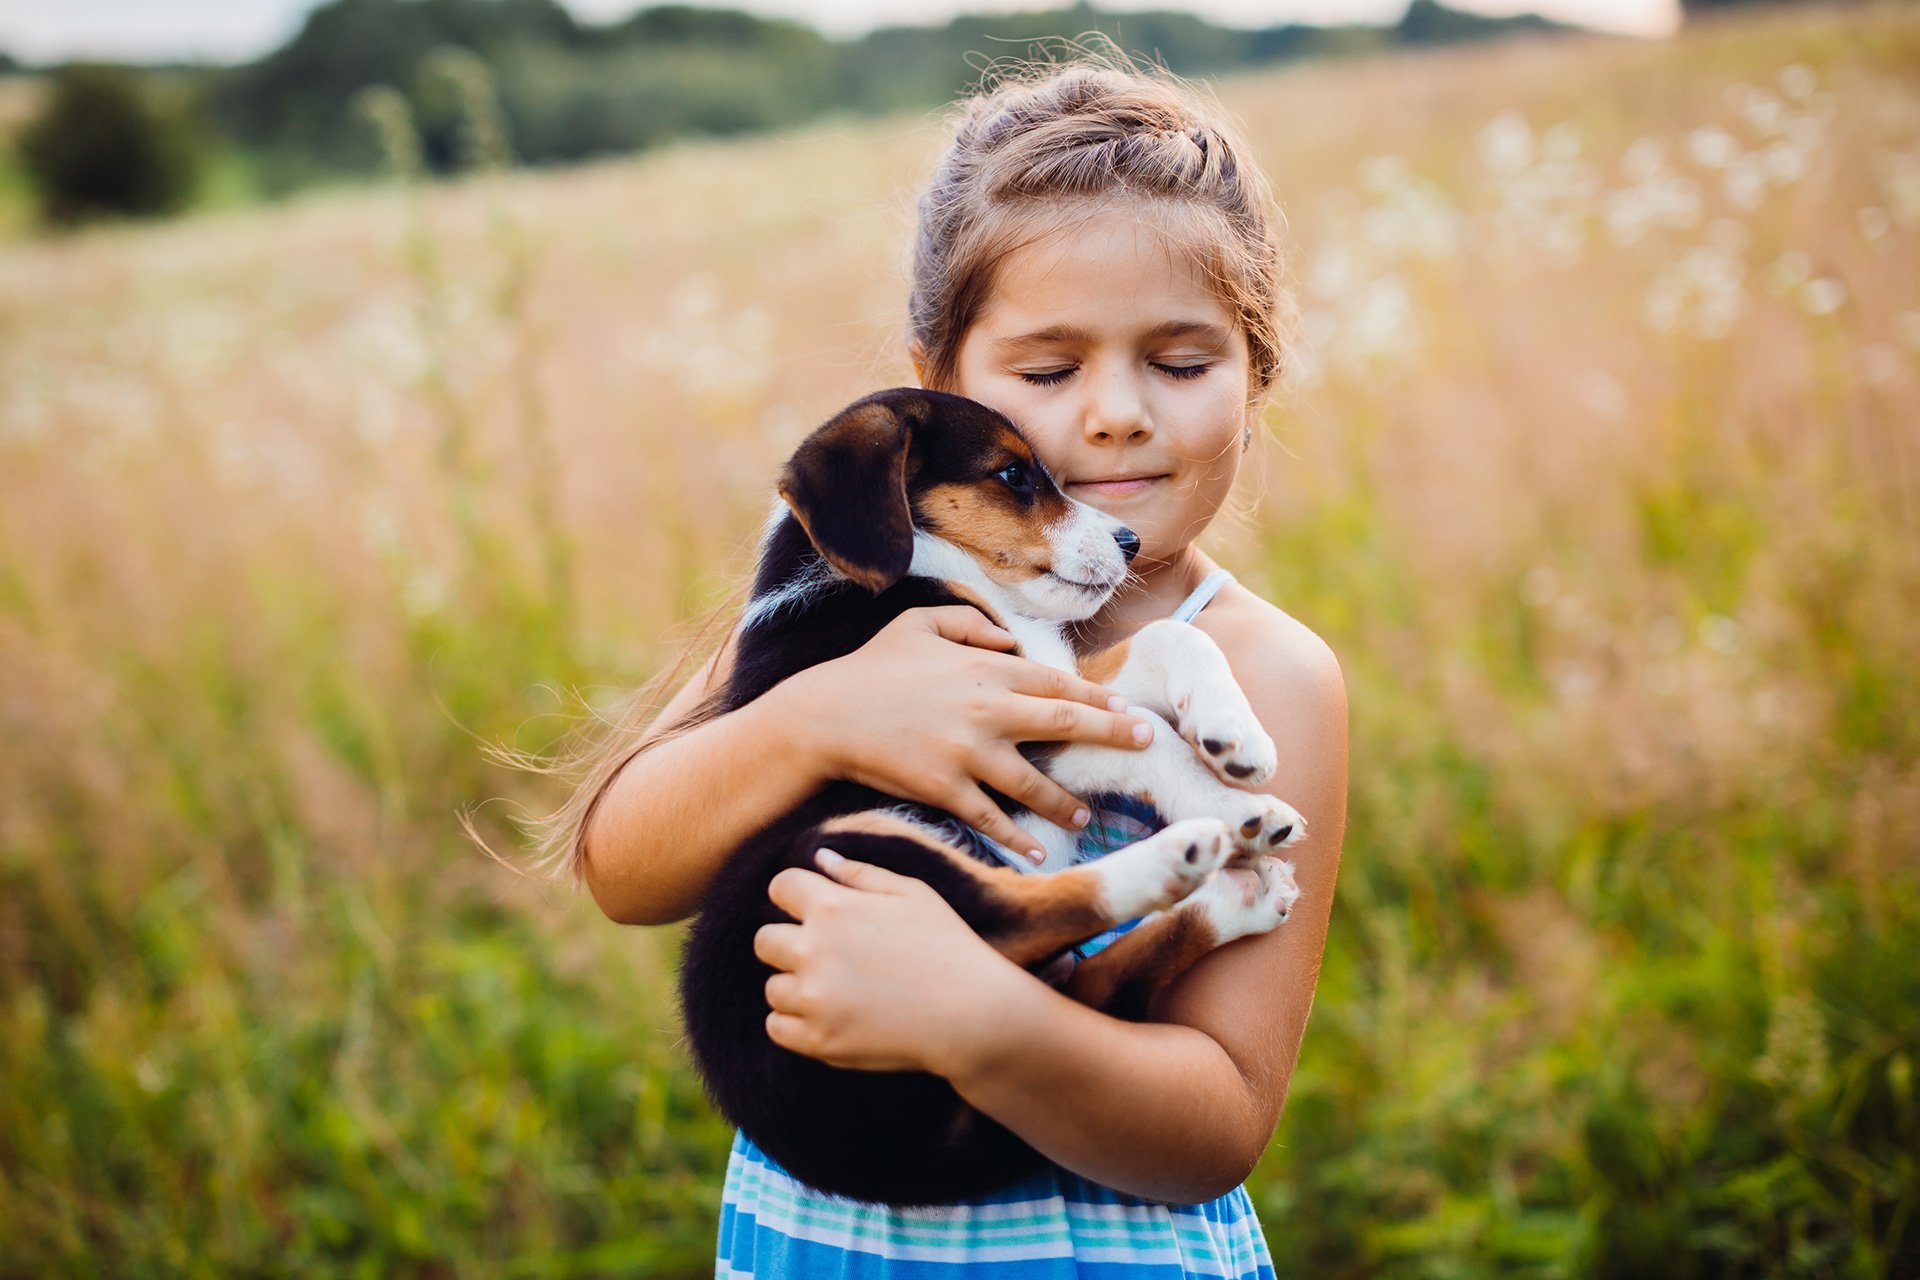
pixel 1598 465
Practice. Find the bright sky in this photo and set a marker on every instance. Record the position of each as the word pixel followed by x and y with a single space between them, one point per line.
pixel 233 30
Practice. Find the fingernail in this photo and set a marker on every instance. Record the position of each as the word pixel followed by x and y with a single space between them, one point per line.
pixel 1143 732
pixel 1036 856
pixel 828 858
pixel 1116 704
pixel 1081 817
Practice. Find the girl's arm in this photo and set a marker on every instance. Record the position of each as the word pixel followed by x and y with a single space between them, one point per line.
pixel 929 709
pixel 1177 1109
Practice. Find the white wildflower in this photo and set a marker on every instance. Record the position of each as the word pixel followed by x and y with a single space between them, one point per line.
pixel 1785 163
pixel 1720 634
pixel 1823 297
pixel 1506 144
pixel 1874 222
pixel 1644 159
pixel 1561 143
pixel 1789 271
pixel 1745 183
pixel 1798 81
pixel 1712 148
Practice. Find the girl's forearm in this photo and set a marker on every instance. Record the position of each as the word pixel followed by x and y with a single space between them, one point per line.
pixel 674 813
pixel 1152 1109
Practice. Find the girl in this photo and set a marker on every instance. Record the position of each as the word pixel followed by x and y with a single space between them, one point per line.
pixel 1094 260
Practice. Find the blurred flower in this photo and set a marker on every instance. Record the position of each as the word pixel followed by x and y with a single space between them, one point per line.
pixel 1874 222
pixel 1602 393
pixel 1824 296
pixel 1798 81
pixel 1789 271
pixel 1506 144
pixel 1720 634
pixel 1703 290
pixel 1745 182
pixel 1907 325
pixel 1712 148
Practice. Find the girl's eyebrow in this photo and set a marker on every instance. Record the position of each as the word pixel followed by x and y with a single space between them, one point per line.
pixel 1212 334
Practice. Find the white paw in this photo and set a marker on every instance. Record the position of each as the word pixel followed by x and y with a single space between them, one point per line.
pixel 1157 872
pixel 1214 716
pixel 1260 823
pixel 1246 898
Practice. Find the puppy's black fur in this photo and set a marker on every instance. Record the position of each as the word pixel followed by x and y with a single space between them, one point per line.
pixel 901 1138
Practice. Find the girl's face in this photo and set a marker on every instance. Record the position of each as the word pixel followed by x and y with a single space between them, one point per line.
pixel 1125 371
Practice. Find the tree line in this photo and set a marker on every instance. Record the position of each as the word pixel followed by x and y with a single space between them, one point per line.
pixel 135 138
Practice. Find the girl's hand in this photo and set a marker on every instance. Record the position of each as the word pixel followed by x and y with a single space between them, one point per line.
pixel 935 705
pixel 880 974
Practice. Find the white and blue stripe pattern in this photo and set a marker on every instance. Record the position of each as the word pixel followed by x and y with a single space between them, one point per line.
pixel 1054 1225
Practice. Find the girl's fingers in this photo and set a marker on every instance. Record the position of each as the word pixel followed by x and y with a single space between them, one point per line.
pixel 796 890
pixel 1013 776
pixel 1057 720
pixel 964 624
pixel 1042 681
pixel 860 875
pixel 783 993
pixel 972 807
pixel 778 945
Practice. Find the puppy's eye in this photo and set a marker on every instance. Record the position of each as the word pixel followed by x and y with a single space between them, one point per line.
pixel 1018 477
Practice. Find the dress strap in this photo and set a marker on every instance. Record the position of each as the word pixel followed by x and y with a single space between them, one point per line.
pixel 1194 603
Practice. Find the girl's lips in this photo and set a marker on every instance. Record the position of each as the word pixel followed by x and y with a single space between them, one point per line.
pixel 1115 488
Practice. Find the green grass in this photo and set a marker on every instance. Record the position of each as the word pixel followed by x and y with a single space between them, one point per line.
pixel 307 503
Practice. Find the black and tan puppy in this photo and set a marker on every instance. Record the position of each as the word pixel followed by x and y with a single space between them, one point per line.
pixel 909 498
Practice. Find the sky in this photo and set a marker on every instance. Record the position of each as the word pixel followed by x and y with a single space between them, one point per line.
pixel 236 30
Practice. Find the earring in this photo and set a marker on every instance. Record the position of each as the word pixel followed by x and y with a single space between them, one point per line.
pixel 1246 441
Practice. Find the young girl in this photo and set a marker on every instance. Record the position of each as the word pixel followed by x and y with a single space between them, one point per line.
pixel 1094 260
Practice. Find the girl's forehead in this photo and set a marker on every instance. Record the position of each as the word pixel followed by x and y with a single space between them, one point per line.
pixel 1117 270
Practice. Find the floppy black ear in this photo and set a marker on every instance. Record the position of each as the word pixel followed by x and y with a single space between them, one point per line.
pixel 847 485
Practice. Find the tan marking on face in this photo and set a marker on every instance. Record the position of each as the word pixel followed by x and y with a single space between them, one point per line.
pixel 988 523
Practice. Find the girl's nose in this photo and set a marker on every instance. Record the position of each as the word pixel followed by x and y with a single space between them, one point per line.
pixel 1116 411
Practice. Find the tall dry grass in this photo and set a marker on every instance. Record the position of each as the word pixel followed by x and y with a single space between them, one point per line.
pixel 1596 465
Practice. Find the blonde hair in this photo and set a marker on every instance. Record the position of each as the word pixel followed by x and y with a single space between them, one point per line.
pixel 1046 144
pixel 1043 145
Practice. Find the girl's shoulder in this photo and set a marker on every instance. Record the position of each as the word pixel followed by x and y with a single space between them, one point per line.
pixel 1270 650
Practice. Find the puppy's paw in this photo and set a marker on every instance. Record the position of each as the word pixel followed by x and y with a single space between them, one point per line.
pixel 1247 897
pixel 1261 823
pixel 1159 871
pixel 1215 717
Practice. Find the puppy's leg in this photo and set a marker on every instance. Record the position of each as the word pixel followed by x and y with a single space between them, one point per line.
pixel 1176 669
pixel 1026 917
pixel 1168 775
pixel 1240 900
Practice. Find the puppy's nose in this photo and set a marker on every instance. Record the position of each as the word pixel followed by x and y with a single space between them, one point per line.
pixel 1129 542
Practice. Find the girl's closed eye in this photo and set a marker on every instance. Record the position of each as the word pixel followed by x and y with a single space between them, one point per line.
pixel 1052 377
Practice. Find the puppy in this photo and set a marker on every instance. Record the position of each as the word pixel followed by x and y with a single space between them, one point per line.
pixel 909 498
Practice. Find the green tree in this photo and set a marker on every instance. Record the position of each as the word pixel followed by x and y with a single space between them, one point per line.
pixel 101 146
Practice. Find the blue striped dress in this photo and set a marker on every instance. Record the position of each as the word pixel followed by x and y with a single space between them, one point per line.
pixel 1053 1225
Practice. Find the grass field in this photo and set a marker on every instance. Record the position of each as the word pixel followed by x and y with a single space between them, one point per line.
pixel 1598 465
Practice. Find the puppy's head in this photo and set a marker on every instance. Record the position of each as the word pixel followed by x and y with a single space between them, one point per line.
pixel 909 460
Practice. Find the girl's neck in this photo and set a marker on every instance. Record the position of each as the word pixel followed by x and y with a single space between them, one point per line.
pixel 1153 591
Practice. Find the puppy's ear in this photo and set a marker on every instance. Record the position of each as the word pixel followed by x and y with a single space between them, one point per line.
pixel 847 485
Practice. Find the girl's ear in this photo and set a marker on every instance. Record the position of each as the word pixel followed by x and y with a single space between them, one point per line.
pixel 847 486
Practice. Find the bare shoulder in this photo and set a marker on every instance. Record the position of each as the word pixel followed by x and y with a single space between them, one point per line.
pixel 1278 660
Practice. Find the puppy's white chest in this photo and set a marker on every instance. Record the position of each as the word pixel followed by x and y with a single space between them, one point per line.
pixel 1042 642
